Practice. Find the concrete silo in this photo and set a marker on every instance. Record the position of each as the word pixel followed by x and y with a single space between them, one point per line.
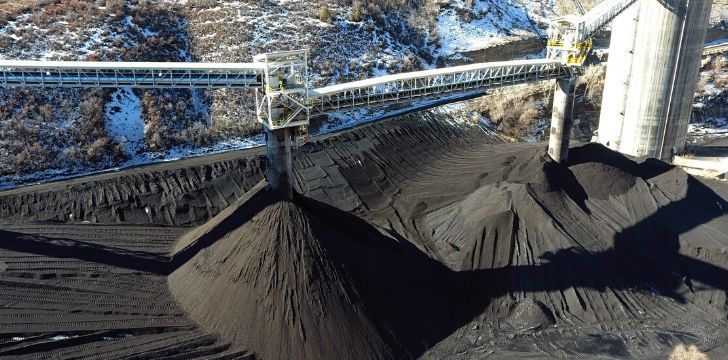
pixel 654 60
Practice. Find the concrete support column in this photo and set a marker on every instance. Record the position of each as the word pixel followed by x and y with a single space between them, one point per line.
pixel 617 82
pixel 562 119
pixel 280 169
pixel 648 93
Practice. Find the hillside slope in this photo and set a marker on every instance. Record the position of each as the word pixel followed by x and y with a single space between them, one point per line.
pixel 46 130
pixel 55 133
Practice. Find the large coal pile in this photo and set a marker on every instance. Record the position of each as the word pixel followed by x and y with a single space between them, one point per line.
pixel 267 284
pixel 602 243
pixel 300 279
pixel 440 244
pixel 532 257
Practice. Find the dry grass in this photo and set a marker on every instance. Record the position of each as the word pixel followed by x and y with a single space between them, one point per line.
pixel 565 7
pixel 16 7
pixel 591 82
pixel 9 9
pixel 682 352
pixel 516 110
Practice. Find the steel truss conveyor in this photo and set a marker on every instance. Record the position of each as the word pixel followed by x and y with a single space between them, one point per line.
pixel 282 95
pixel 433 83
pixel 126 74
pixel 280 105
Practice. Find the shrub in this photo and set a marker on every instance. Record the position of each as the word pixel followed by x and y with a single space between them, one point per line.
pixel 356 11
pixel 33 157
pixel 720 82
pixel 719 64
pixel 117 8
pixel 592 81
pixel 682 352
pixel 324 13
pixel 98 150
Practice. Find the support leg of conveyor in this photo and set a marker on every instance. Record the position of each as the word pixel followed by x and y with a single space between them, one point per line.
pixel 562 119
pixel 279 169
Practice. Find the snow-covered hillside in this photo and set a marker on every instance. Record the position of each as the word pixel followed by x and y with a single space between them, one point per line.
pixel 46 130
pixel 62 132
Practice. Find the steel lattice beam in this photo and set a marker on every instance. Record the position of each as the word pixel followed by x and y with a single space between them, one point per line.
pixel 433 83
pixel 385 89
pixel 137 75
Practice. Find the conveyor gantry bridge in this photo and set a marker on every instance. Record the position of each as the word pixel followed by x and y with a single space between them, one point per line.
pixel 569 37
pixel 284 99
pixel 283 96
pixel 285 102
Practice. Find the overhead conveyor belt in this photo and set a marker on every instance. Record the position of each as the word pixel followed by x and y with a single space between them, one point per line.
pixel 569 37
pixel 595 20
pixel 436 82
pixel 14 73
pixel 370 92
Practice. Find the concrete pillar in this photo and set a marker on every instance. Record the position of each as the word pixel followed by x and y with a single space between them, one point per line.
pixel 280 165
pixel 562 119
pixel 668 42
pixel 616 83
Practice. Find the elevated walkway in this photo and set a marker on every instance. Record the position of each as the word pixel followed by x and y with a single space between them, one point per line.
pixel 129 74
pixel 436 82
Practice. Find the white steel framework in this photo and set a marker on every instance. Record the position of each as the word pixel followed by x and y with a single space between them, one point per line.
pixel 281 103
pixel 569 37
pixel 432 83
pixel 601 15
pixel 283 96
pixel 125 74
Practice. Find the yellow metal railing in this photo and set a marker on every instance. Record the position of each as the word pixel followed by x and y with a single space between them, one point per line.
pixel 577 53
pixel 586 45
pixel 555 43
pixel 269 88
pixel 576 59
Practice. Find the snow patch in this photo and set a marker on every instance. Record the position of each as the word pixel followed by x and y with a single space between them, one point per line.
pixel 491 23
pixel 124 120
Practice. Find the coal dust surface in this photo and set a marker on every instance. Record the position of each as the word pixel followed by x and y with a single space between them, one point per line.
pixel 414 238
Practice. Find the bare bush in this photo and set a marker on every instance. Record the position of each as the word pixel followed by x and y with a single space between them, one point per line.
pixel 591 82
pixel 515 111
pixel 325 13
pixel 356 11
pixel 32 157
pixel 101 149
pixel 721 82
pixel 682 352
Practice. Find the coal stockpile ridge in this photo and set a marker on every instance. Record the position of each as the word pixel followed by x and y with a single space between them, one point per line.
pixel 414 238
pixel 180 193
pixel 602 244
pixel 267 283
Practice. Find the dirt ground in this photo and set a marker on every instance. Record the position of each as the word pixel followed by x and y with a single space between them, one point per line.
pixel 409 238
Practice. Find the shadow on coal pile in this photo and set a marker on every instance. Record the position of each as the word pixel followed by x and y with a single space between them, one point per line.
pixel 418 302
pixel 346 268
pixel 130 259
pixel 84 251
pixel 651 247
